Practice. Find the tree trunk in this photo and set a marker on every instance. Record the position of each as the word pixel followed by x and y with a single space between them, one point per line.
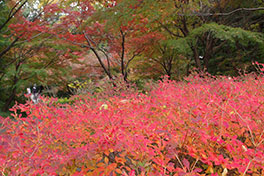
pixel 11 97
pixel 208 51
pixel 196 58
pixel 14 89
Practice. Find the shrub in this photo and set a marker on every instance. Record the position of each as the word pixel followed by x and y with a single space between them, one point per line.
pixel 194 127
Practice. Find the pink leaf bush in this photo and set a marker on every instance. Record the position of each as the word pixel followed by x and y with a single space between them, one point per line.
pixel 195 127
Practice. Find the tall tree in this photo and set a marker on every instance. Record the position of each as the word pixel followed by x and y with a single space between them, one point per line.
pixel 86 26
pixel 179 20
pixel 32 54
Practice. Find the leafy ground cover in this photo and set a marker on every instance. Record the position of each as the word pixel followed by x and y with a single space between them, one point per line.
pixel 200 126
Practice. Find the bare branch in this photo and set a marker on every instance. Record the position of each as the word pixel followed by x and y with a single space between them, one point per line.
pixel 108 73
pixel 107 58
pixel 133 57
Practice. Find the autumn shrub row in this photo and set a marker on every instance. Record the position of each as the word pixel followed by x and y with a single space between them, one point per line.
pixel 202 125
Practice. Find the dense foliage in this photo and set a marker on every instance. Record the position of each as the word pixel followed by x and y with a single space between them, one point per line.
pixel 55 43
pixel 202 125
pixel 88 54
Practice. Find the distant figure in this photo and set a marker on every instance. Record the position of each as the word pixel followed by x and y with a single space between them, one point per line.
pixel 34 93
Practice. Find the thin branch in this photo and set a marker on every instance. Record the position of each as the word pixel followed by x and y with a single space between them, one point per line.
pixel 13 8
pixel 194 164
pixel 175 154
pixel 158 61
pixel 97 56
pixel 222 14
pixel 244 120
pixel 11 15
pixel 107 58
pixel 133 57
pixel 247 167
pixel 9 47
pixel 17 38
pixel 215 49
pixel 168 30
pixel 122 52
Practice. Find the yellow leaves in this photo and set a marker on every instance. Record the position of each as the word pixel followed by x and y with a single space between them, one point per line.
pixel 203 156
pixel 209 170
pixel 39 152
pixel 134 162
pixel 108 151
pixel 106 160
pixel 189 139
pixel 77 85
pixel 55 1
pixel 104 106
pixel 71 85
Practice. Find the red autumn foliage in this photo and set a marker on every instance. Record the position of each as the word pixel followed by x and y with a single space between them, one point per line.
pixel 195 127
pixel 114 45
